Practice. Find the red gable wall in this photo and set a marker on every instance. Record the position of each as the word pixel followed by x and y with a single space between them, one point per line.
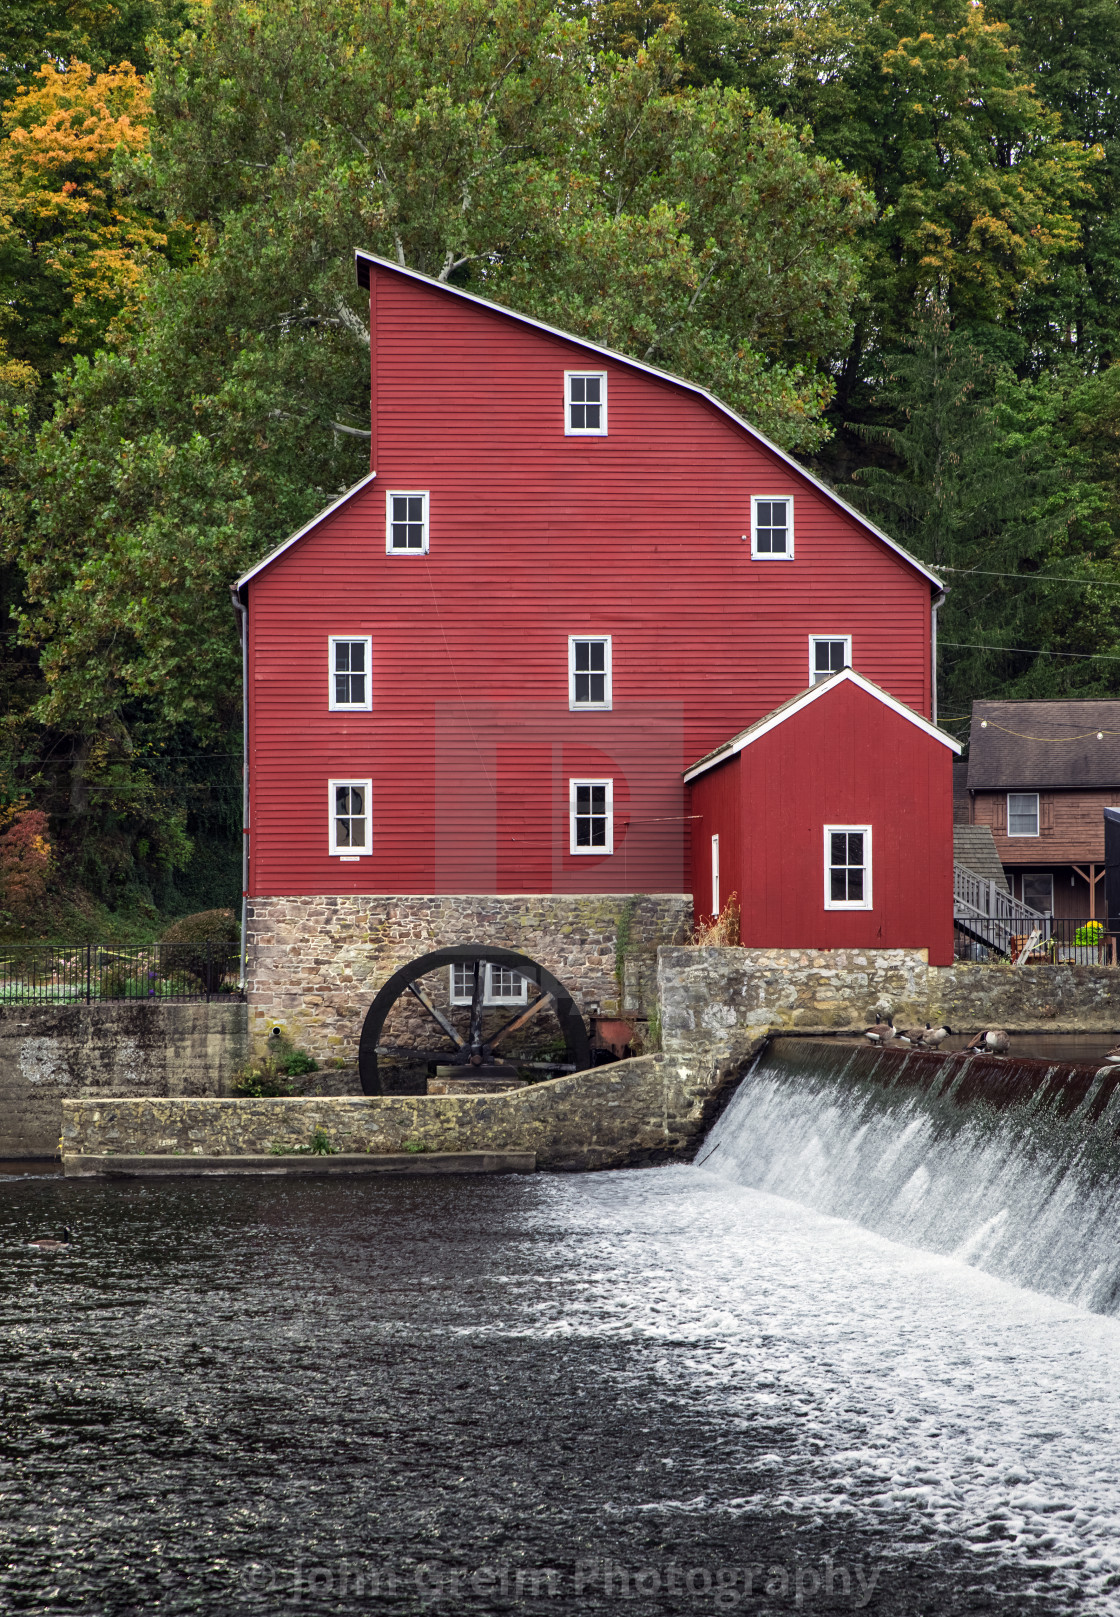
pixel 535 536
pixel 845 759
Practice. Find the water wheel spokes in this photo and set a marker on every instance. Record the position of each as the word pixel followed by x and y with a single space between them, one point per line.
pixel 470 1051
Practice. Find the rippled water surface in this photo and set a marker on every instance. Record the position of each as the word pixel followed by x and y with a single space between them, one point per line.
pixel 649 1390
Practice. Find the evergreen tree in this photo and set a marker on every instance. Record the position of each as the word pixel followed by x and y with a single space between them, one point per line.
pixel 980 485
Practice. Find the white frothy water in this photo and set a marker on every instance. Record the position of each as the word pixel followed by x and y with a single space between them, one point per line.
pixel 927 1399
pixel 1027 1196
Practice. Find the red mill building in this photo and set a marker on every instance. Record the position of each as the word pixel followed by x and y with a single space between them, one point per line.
pixel 481 682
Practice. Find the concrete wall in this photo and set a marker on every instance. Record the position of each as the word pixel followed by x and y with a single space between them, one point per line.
pixel 315 964
pixel 629 1112
pixel 51 1052
pixel 713 1000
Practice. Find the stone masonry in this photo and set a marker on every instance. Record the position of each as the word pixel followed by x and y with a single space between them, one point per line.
pixel 717 1000
pixel 315 964
pixel 49 1053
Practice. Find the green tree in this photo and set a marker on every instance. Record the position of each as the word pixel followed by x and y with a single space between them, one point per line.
pixel 470 140
pixel 982 486
pixel 1072 48
pixel 977 183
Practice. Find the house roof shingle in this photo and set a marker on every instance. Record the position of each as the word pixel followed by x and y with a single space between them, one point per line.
pixel 974 847
pixel 1033 745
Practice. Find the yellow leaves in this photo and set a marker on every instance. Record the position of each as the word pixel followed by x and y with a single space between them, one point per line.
pixel 72 122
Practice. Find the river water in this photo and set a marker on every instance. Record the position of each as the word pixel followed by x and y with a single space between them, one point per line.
pixel 657 1390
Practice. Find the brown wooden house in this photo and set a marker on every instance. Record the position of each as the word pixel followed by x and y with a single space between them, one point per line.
pixel 1040 774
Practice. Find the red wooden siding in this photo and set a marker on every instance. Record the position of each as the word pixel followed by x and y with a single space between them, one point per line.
pixel 535 536
pixel 846 759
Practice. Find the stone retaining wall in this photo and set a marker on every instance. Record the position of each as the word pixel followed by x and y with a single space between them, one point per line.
pixel 48 1052
pixel 631 1111
pixel 714 1000
pixel 315 964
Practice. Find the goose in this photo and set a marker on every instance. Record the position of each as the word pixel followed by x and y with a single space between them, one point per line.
pixel 933 1036
pixel 1111 1057
pixel 993 1039
pixel 881 1033
pixel 46 1243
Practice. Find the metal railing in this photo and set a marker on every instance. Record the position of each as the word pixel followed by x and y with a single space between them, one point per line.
pixel 987 914
pixel 1079 942
pixel 48 974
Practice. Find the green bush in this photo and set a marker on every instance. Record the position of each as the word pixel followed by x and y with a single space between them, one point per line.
pixel 206 946
pixel 1090 934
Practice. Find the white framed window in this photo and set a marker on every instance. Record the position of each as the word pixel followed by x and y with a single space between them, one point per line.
pixel 1038 891
pixel 715 875
pixel 585 404
pixel 591 805
pixel 847 867
pixel 349 673
pixel 772 527
pixel 348 807
pixel 503 985
pixel 828 654
pixel 1022 814
pixel 589 671
pixel 406 522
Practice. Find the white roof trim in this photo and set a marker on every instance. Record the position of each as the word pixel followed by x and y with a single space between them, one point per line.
pixel 329 510
pixel 662 376
pixel 846 676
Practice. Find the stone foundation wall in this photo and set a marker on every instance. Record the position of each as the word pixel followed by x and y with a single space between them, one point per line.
pixel 48 1053
pixel 715 999
pixel 315 964
pixel 634 1111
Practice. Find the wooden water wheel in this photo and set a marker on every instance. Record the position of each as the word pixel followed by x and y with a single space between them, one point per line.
pixel 475 1055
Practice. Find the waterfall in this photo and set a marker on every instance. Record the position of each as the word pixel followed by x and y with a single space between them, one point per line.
pixel 1011 1166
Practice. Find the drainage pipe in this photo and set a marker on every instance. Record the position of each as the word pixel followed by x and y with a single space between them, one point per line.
pixel 938 600
pixel 243 629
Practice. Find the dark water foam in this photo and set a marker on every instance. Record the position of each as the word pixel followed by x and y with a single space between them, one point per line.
pixel 1012 1167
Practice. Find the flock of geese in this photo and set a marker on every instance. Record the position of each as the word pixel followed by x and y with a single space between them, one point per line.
pixel 992 1040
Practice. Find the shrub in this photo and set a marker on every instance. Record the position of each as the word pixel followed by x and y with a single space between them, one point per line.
pixel 206 946
pixel 269 1075
pixel 1090 934
pixel 25 859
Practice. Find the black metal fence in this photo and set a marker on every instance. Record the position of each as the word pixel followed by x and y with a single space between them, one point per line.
pixel 1058 938
pixel 43 974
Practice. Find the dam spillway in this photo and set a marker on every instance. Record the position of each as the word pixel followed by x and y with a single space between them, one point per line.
pixel 1011 1166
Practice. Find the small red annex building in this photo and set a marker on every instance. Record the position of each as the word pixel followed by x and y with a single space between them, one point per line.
pixel 831 823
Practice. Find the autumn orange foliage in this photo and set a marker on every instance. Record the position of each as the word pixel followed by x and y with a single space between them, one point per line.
pixel 71 239
pixel 25 859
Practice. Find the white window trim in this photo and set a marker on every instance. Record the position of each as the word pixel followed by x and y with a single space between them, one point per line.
pixel 715 874
pixel 390 549
pixel 589 707
pixel 769 555
pixel 866 902
pixel 349 854
pixel 349 707
pixel 584 432
pixel 598 853
pixel 813 638
pixel 1030 835
pixel 488 995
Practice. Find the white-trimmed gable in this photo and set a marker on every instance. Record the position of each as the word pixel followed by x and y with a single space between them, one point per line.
pixel 796 704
